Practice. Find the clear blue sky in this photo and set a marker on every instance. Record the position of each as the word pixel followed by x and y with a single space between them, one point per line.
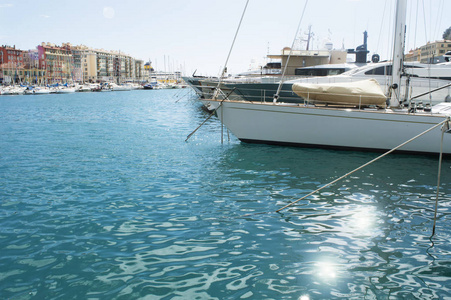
pixel 198 34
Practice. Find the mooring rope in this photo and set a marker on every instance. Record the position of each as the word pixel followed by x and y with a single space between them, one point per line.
pixel 368 163
pixel 211 115
pixel 208 118
pixel 444 128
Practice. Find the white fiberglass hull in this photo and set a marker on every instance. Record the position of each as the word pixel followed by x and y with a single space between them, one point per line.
pixel 84 90
pixel 65 91
pixel 38 92
pixel 322 127
pixel 121 89
pixel 12 91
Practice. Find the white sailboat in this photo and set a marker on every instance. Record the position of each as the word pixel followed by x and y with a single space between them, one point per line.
pixel 84 88
pixel 119 88
pixel 37 91
pixel 12 90
pixel 341 125
pixel 65 90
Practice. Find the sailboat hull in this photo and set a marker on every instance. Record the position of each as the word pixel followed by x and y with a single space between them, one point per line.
pixel 322 127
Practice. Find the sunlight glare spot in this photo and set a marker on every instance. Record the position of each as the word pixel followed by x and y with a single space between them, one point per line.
pixel 364 219
pixel 326 270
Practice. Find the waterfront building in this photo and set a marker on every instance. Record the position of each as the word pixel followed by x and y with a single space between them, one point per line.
pixel 413 55
pixel 166 77
pixel 139 70
pixel 32 73
pixel 89 65
pixel 100 65
pixel 431 53
pixel 76 72
pixel 119 67
pixel 148 74
pixel 58 62
pixel 104 65
pixel 11 64
pixel 49 64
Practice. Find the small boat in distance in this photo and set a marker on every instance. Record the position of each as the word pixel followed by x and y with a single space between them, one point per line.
pixel 38 90
pixel 148 86
pixel 119 88
pixel 13 90
pixel 65 90
pixel 84 88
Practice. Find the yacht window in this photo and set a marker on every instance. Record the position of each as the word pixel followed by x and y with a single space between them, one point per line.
pixel 335 71
pixel 318 72
pixel 383 70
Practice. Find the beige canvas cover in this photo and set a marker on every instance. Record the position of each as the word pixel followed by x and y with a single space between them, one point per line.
pixel 364 92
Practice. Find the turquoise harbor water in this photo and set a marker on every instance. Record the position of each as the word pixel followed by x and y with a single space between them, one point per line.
pixel 102 198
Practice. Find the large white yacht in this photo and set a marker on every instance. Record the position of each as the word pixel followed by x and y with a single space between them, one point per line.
pixel 342 119
pixel 422 78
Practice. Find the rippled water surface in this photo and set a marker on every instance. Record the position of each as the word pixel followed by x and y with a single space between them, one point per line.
pixel 102 198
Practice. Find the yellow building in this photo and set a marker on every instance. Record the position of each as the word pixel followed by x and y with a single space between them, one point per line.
pixel 432 52
pixel 89 66
pixel 84 64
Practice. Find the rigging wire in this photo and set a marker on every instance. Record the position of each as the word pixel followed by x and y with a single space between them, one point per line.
pixel 410 21
pixel 380 31
pixel 276 96
pixel 215 95
pixel 425 26
pixel 441 13
pixel 438 18
pixel 416 23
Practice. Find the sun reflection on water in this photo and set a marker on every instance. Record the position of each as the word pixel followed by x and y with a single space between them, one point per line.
pixel 364 220
pixel 326 270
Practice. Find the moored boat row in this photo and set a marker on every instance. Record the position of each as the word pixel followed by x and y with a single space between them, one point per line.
pixel 87 87
pixel 381 106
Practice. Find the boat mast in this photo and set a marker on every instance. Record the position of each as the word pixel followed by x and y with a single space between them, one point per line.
pixel 398 52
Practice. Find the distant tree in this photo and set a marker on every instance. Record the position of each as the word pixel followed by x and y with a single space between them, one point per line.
pixel 447 34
